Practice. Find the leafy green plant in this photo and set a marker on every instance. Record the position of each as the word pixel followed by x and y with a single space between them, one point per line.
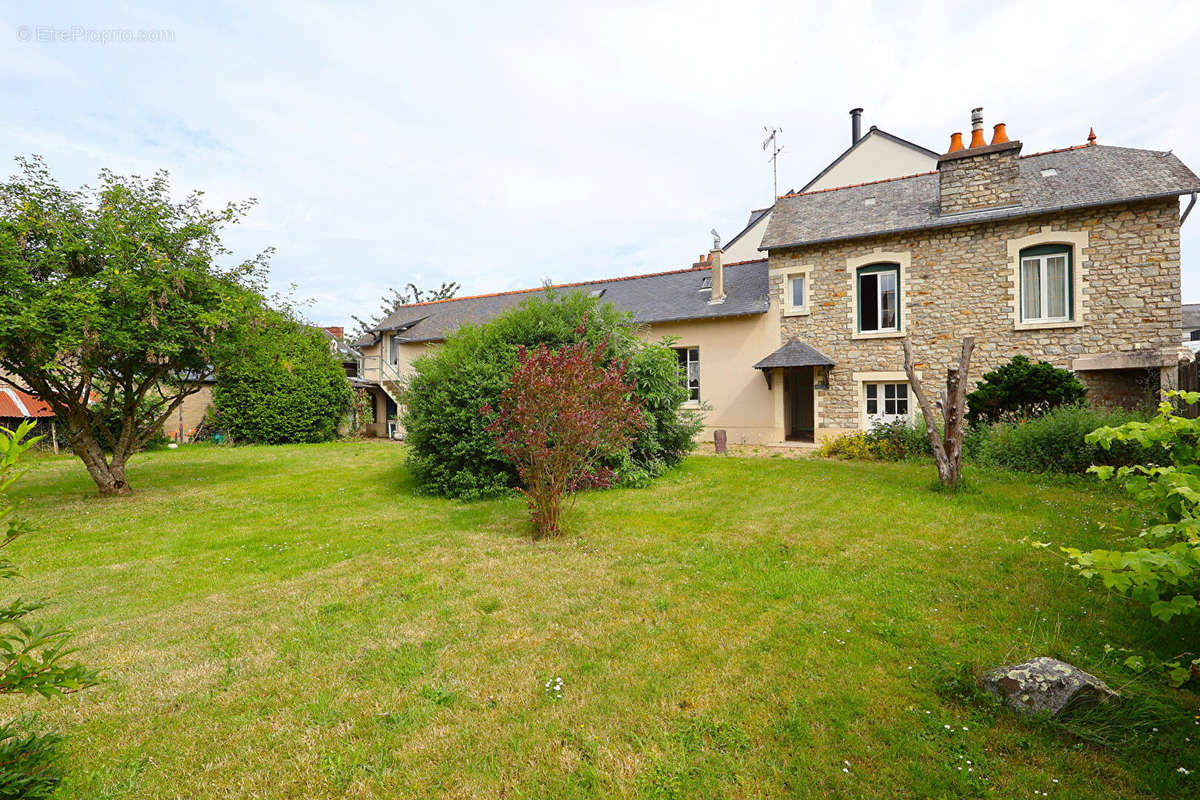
pixel 1056 441
pixel 1164 572
pixel 32 656
pixel 449 449
pixel 284 386
pixel 1022 388
pixel 898 440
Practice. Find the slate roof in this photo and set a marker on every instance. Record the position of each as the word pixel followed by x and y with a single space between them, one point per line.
pixel 795 354
pixel 660 297
pixel 1089 175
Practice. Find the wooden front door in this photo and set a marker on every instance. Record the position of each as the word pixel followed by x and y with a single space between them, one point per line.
pixel 798 402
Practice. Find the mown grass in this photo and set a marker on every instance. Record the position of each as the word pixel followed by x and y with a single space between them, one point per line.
pixel 294 622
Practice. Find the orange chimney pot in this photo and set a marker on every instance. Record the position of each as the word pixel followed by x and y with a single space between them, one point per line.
pixel 955 143
pixel 999 134
pixel 977 139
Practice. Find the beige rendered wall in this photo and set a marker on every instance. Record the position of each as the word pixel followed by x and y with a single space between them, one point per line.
pixel 736 393
pixel 875 159
pixel 189 415
pixel 746 248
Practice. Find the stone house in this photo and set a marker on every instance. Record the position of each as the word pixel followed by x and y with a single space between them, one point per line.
pixel 1069 256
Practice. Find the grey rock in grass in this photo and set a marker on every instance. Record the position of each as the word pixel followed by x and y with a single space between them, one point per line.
pixel 1046 686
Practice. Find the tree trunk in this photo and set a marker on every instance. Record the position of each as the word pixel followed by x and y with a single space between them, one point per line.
pixel 947 449
pixel 109 477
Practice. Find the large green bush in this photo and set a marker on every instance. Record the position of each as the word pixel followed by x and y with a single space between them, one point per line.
pixel 284 386
pixel 1053 442
pixel 450 451
pixel 1022 388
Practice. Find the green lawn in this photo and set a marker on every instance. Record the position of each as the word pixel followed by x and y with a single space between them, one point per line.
pixel 294 622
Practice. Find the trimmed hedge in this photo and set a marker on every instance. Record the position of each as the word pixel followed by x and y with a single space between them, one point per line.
pixel 450 451
pixel 285 387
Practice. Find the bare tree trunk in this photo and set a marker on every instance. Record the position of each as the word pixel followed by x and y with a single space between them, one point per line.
pixel 947 448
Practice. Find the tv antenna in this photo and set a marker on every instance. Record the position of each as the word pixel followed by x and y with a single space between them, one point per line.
pixel 772 144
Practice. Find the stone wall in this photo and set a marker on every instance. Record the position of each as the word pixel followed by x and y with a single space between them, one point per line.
pixel 961 281
pixel 984 177
pixel 1122 388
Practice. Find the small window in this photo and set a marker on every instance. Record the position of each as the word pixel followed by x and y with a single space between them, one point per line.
pixel 1046 286
pixel 394 350
pixel 878 298
pixel 596 293
pixel 706 283
pixel 796 291
pixel 689 371
pixel 886 402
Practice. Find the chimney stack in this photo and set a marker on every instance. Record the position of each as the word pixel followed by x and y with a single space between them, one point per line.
pixel 982 175
pixel 855 125
pixel 718 276
pixel 337 332
pixel 977 139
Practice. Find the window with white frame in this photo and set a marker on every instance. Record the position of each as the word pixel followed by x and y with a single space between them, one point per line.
pixel 797 292
pixel 879 298
pixel 886 402
pixel 1046 289
pixel 689 371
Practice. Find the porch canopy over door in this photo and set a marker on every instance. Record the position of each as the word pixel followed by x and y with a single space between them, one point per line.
pixel 793 354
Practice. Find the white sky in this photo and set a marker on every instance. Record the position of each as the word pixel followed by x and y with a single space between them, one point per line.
pixel 502 144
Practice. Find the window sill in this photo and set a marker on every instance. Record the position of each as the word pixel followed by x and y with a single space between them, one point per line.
pixel 879 335
pixel 796 312
pixel 690 404
pixel 1037 326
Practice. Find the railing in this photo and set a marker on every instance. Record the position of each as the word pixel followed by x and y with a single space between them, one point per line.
pixel 378 369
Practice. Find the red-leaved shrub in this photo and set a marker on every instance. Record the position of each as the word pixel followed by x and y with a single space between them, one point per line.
pixel 563 413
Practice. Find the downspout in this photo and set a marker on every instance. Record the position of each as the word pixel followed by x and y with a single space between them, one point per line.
pixel 1188 210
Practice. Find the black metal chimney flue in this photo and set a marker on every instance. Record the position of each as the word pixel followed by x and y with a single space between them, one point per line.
pixel 855 125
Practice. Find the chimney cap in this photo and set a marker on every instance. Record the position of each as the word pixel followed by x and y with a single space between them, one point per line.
pixel 856 111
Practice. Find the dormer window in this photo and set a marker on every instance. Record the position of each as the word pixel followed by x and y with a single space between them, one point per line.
pixel 706 283
pixel 596 293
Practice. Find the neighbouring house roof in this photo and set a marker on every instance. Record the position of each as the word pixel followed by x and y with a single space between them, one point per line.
pixel 339 346
pixel 1191 315
pixel 846 153
pixel 795 354
pixel 17 404
pixel 659 297
pixel 755 215
pixel 1087 175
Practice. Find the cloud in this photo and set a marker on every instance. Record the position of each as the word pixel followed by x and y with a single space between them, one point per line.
pixel 499 145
